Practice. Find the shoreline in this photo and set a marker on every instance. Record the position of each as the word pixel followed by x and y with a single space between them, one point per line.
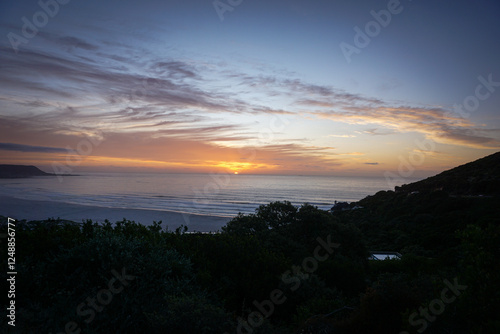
pixel 20 209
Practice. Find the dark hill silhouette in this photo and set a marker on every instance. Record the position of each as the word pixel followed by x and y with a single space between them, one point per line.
pixel 21 171
pixel 480 177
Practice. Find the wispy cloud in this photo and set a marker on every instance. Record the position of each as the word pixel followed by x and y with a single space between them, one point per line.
pixel 341 106
pixel 434 123
pixel 176 69
pixel 342 136
pixel 158 93
pixel 71 42
pixel 377 132
pixel 29 148
pixel 179 110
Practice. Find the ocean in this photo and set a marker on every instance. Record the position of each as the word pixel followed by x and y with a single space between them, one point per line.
pixel 221 195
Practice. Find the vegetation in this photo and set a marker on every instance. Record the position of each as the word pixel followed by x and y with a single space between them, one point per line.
pixel 480 177
pixel 283 269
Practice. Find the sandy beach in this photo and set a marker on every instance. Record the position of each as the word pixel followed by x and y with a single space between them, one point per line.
pixel 39 210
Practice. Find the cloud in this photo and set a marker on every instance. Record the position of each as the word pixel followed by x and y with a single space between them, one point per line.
pixel 371 163
pixel 180 146
pixel 144 92
pixel 352 153
pixel 176 109
pixel 378 132
pixel 71 42
pixel 304 93
pixel 29 148
pixel 176 69
pixel 434 123
pixel 342 136
pixel 64 76
pixel 338 105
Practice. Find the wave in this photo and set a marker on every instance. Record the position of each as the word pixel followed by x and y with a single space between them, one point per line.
pixel 188 194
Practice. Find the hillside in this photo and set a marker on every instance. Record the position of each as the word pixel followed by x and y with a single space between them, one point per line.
pixel 480 177
pixel 20 171
pixel 416 216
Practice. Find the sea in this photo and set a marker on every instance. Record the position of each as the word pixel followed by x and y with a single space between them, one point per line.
pixel 221 195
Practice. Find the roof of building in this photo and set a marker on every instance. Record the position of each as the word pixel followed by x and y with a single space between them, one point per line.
pixel 384 256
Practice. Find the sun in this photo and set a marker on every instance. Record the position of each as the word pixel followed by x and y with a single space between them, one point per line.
pixel 235 173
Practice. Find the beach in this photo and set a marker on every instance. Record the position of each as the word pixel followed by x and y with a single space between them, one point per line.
pixel 39 210
pixel 192 200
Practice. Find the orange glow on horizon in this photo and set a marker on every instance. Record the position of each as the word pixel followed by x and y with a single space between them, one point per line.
pixel 348 163
pixel 242 166
pixel 75 161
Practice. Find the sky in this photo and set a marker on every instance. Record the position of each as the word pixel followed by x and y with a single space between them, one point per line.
pixel 258 87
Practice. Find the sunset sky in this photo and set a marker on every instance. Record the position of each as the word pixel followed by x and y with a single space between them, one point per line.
pixel 252 87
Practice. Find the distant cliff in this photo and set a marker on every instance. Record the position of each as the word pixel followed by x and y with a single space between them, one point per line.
pixel 21 171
